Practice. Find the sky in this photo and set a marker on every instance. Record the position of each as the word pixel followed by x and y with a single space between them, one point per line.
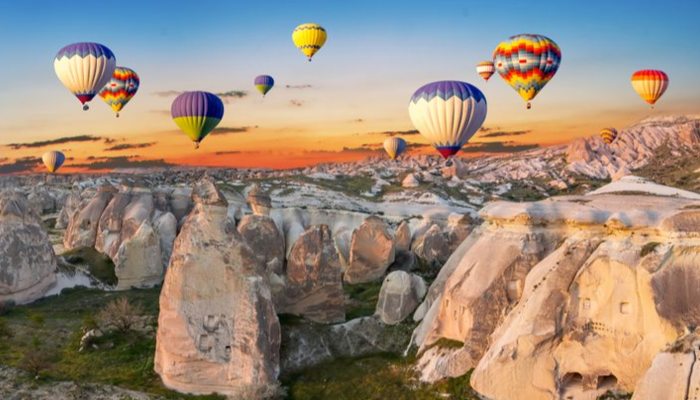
pixel 354 94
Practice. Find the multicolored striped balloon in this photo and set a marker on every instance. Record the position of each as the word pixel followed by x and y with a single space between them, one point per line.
pixel 84 68
pixel 650 84
pixel 264 83
pixel 121 88
pixel 53 160
pixel 485 69
pixel 448 114
pixel 394 146
pixel 527 63
pixel 197 114
pixel 309 38
pixel 608 135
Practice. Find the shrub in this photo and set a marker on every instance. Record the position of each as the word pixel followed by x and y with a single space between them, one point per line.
pixel 120 314
pixel 36 360
pixel 37 319
pixel 5 330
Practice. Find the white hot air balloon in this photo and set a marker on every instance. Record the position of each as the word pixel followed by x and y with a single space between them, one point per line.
pixel 53 160
pixel 394 147
pixel 448 114
pixel 84 68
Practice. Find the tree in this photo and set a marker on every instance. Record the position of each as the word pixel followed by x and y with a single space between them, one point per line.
pixel 120 314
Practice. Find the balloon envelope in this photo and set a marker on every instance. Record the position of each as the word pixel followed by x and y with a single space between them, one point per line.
pixel 121 88
pixel 309 38
pixel 197 114
pixel 650 84
pixel 608 135
pixel 448 114
pixel 53 160
pixel 527 63
pixel 485 69
pixel 394 147
pixel 84 68
pixel 264 83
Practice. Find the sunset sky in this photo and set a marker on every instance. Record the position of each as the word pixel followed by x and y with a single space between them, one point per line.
pixel 356 89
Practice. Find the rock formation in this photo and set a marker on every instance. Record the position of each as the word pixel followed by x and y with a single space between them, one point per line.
pixel 371 252
pixel 27 260
pixel 399 296
pixel 432 247
pixel 262 235
pixel 410 181
pixel 259 201
pixel 138 260
pixel 217 329
pixel 402 238
pixel 314 286
pixel 82 231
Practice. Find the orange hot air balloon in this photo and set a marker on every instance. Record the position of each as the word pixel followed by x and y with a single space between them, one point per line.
pixel 650 84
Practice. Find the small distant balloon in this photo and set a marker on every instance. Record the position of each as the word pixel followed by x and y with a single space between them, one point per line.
pixel 394 147
pixel 121 88
pixel 527 63
pixel 650 84
pixel 309 38
pixel 84 68
pixel 197 113
pixel 264 83
pixel 485 69
pixel 608 135
pixel 448 114
pixel 53 160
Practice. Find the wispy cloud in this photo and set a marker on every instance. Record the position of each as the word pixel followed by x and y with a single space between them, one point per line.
pixel 220 153
pixel 225 130
pixel 498 147
pixel 167 93
pixel 237 94
pixel 70 139
pixel 130 146
pixel 299 87
pixel 108 163
pixel 397 133
pixel 505 133
pixel 296 103
pixel 20 165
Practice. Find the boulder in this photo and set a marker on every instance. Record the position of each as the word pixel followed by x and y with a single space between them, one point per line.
pixel 262 235
pixel 399 296
pixel 459 226
pixel 138 262
pixel 410 181
pixel 314 286
pixel 217 328
pixel 432 248
pixel 402 237
pixel 27 260
pixel 259 201
pixel 372 251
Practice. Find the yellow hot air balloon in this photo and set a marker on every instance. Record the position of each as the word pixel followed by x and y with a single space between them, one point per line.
pixel 650 84
pixel 394 147
pixel 309 38
pixel 608 135
pixel 53 160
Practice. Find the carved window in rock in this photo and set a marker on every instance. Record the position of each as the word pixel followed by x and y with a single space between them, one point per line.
pixel 514 289
pixel 586 305
pixel 625 308
pixel 206 342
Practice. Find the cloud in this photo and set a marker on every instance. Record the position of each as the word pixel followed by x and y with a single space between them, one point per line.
pixel 130 146
pixel 299 87
pixel 220 153
pixel 396 133
pixel 505 133
pixel 121 162
pixel 296 103
pixel 498 147
pixel 109 140
pixel 4 160
pixel 226 95
pixel 70 139
pixel 358 120
pixel 26 164
pixel 161 112
pixel 167 93
pixel 224 130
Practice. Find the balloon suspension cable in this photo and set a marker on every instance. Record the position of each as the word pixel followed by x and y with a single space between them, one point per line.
pixel 86 107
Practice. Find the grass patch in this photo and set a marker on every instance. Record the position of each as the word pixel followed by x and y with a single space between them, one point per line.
pixel 649 248
pixel 361 299
pixel 383 376
pixel 98 265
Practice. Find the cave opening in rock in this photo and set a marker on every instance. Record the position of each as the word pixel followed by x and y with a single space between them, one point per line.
pixel 607 381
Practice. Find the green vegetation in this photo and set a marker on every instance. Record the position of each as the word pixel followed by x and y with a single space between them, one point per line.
pixel 649 248
pixel 382 376
pixel 362 299
pixel 669 168
pixel 99 265
pixel 615 396
pixel 349 185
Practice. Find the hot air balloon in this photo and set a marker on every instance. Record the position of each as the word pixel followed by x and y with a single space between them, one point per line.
pixel 264 83
pixel 53 160
pixel 527 63
pixel 394 146
pixel 608 135
pixel 448 114
pixel 485 69
pixel 650 84
pixel 309 38
pixel 84 68
pixel 197 114
pixel 121 88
